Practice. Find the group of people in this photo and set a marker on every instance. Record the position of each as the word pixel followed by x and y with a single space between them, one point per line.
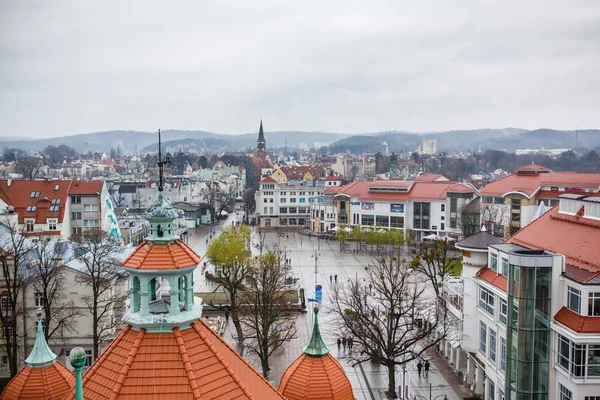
pixel 420 367
pixel 345 341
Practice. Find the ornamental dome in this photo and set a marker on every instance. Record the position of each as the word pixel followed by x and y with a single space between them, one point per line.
pixel 316 374
pixel 42 377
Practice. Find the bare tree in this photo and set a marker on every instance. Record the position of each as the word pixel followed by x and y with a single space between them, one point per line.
pixel 31 167
pixel 436 261
pixel 381 316
pixel 268 320
pixel 211 196
pixel 495 217
pixel 101 270
pixel 249 201
pixel 48 284
pixel 17 253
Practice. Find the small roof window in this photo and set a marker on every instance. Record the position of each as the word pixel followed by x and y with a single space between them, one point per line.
pixel 31 208
pixel 35 195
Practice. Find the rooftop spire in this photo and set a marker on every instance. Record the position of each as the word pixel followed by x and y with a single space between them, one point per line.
pixel 316 347
pixel 41 355
pixel 161 164
pixel 261 134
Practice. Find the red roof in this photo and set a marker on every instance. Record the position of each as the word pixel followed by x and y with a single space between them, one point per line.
pixel 86 187
pixel 19 195
pixel 493 278
pixel 268 179
pixel 51 382
pixel 152 256
pixel 577 323
pixel 189 364
pixel 332 178
pixel 574 236
pixel 530 183
pixel 298 172
pixel 431 178
pixel 533 168
pixel 320 378
pixel 416 190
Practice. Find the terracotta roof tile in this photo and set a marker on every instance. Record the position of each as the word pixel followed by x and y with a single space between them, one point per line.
pixel 493 278
pixel 332 178
pixel 578 241
pixel 50 382
pixel 19 196
pixel 320 378
pixel 531 183
pixel 533 167
pixel 152 256
pixel 268 179
pixel 577 323
pixel 86 187
pixel 430 178
pixel 194 364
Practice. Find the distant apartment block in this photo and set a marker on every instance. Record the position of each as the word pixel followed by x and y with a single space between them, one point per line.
pixel 430 146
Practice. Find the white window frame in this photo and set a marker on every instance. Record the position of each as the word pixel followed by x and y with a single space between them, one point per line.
pixel 88 225
pixel 486 300
pixel 39 299
pixel 593 310
pixel 503 354
pixel 564 393
pixel 503 312
pixel 52 224
pixel 493 345
pixel 494 265
pixel 482 337
pixel 491 390
pixel 90 207
pixel 571 291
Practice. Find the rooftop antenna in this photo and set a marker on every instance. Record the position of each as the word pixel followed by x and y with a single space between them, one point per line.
pixel 161 164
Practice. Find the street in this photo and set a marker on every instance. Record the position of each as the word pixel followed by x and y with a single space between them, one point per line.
pixel 369 381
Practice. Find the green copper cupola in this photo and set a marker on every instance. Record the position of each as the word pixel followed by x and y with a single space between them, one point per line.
pixel 316 347
pixel 41 355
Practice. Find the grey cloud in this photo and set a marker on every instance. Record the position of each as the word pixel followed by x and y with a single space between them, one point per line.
pixel 345 66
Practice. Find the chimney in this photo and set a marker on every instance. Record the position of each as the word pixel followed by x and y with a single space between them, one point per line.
pixel 8 182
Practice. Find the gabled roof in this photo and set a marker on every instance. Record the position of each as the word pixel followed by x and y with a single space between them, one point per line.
pixel 576 322
pixel 268 179
pixel 529 168
pixel 153 256
pixel 19 194
pixel 86 187
pixel 574 236
pixel 431 178
pixel 191 364
pixel 333 178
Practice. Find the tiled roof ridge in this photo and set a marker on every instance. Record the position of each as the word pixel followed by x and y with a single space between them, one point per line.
pixel 576 322
pixel 99 360
pixel 329 371
pixel 219 358
pixel 125 369
pixel 26 370
pixel 187 364
pixel 64 372
pixel 576 219
pixel 236 354
pixel 183 245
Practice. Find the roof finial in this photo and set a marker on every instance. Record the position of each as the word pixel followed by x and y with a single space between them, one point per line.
pixel 41 355
pixel 161 164
pixel 316 347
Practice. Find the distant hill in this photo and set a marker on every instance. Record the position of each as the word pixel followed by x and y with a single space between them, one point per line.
pixel 509 139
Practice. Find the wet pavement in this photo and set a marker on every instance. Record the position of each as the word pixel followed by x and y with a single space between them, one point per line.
pixel 369 381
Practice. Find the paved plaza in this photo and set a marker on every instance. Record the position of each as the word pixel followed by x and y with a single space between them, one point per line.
pixel 368 381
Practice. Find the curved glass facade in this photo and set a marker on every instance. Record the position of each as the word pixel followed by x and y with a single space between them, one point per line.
pixel 528 329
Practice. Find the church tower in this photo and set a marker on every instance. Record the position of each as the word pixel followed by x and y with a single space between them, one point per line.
pixel 261 143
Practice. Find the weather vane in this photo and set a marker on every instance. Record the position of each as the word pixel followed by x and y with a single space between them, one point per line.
pixel 161 165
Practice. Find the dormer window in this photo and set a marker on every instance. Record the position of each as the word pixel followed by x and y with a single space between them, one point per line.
pixel 35 195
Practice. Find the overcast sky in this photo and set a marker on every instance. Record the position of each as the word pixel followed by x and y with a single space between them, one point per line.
pixel 71 67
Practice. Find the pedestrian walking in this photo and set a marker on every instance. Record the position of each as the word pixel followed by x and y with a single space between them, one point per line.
pixel 226 315
pixel 344 342
pixel 339 342
pixel 206 240
pixel 370 287
pixel 350 342
pixel 419 366
pixel 426 368
pixel 287 236
pixel 330 278
pixel 335 278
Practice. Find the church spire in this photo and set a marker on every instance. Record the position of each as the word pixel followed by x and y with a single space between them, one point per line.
pixel 316 347
pixel 161 164
pixel 261 133
pixel 41 355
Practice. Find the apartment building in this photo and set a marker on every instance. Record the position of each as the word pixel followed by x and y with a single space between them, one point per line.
pixel 534 329
pixel 426 207
pixel 511 203
pixel 287 205
pixel 430 146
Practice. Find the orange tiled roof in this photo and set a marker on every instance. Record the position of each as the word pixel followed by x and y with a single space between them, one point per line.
pixel 86 187
pixel 533 167
pixel 493 278
pixel 153 256
pixel 50 382
pixel 268 179
pixel 320 378
pixel 574 236
pixel 190 364
pixel 19 196
pixel 332 178
pixel 530 183
pixel 577 323
pixel 430 177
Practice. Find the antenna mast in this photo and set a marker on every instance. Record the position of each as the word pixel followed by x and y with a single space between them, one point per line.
pixel 161 164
